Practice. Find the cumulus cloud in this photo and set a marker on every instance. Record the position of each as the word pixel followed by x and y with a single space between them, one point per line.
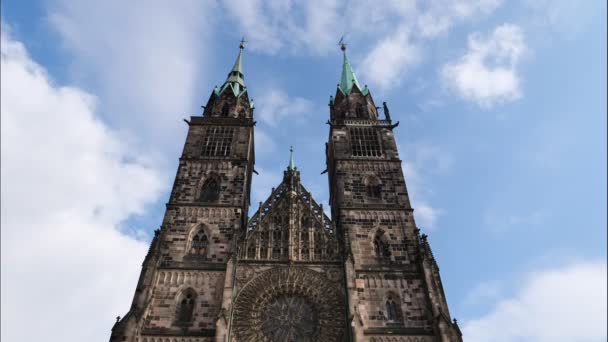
pixel 427 215
pixel 560 304
pixel 264 144
pixel 276 105
pixel 400 29
pixel 67 185
pixel 438 16
pixel 488 73
pixel 386 63
pixel 287 25
pixel 562 17
pixel 144 62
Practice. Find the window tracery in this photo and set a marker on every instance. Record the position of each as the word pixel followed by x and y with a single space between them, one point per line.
pixel 393 310
pixel 210 191
pixel 217 142
pixel 185 306
pixel 381 246
pixel 277 235
pixel 364 142
pixel 199 243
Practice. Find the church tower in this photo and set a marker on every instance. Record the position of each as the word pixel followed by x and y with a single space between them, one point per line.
pixel 289 273
pixel 185 286
pixel 392 280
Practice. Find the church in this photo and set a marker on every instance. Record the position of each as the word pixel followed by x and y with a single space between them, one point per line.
pixel 289 273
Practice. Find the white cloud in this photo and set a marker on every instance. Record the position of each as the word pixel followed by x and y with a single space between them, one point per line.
pixel 287 25
pixel 146 61
pixel 561 304
pixel 421 161
pixel 564 18
pixel 276 105
pixel 264 144
pixel 501 221
pixel 67 184
pixel 427 215
pixel 387 62
pixel 440 15
pixel 482 293
pixel 487 73
pixel 401 27
pixel 314 27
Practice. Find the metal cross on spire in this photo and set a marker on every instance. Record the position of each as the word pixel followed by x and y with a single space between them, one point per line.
pixel 243 41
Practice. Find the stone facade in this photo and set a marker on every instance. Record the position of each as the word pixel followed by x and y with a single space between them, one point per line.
pixel 289 273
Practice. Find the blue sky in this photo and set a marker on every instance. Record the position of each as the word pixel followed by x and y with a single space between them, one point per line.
pixel 502 111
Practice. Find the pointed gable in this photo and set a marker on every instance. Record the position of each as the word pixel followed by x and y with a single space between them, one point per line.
pixel 291 225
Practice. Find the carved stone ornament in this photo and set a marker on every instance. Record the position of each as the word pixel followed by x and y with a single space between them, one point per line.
pixel 289 304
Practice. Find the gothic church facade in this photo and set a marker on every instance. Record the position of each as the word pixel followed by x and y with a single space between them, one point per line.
pixel 290 272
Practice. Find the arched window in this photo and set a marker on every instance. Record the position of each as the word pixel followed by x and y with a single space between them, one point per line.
pixel 373 188
pixel 393 313
pixel 263 245
pixel 360 111
pixel 199 243
pixel 381 246
pixel 251 250
pixel 276 244
pixel 210 191
pixel 225 110
pixel 305 244
pixel 185 306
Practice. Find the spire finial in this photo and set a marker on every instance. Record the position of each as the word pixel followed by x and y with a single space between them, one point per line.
pixel 235 76
pixel 292 163
pixel 342 44
pixel 348 79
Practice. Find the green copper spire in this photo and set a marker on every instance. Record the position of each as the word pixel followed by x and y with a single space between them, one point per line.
pixel 348 75
pixel 292 164
pixel 235 80
pixel 236 74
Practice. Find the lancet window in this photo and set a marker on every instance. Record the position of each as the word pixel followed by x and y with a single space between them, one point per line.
pixel 393 311
pixel 210 191
pixel 185 306
pixel 199 243
pixel 381 246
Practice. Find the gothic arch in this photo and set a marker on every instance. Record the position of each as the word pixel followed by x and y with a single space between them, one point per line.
pixel 373 187
pixel 199 240
pixel 185 305
pixel 392 303
pixel 209 188
pixel 380 243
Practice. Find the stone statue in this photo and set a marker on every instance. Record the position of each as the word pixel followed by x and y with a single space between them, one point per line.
pixel 387 115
